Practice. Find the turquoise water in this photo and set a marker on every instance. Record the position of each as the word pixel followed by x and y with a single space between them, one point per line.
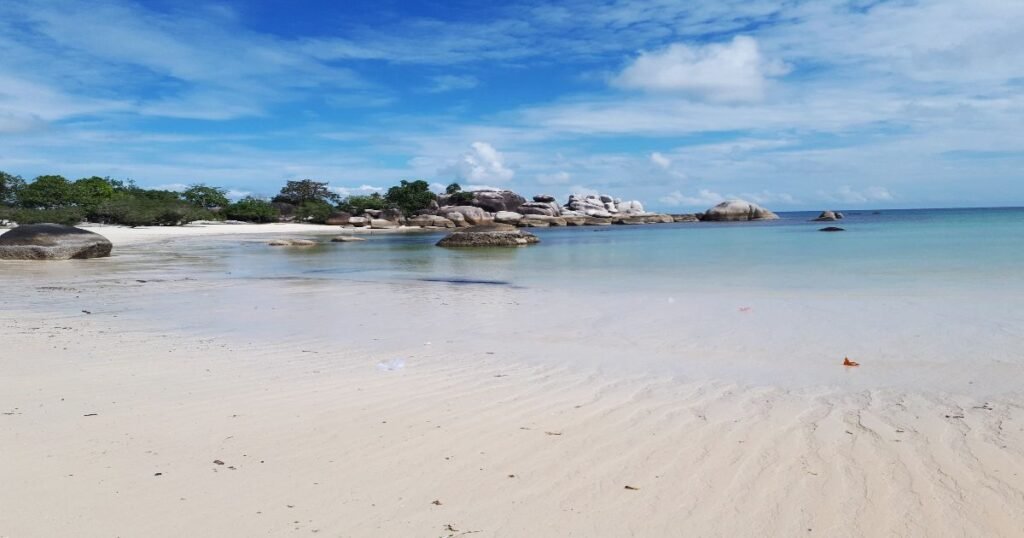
pixel 904 250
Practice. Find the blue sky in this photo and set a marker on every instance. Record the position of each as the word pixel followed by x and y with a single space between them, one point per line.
pixel 796 105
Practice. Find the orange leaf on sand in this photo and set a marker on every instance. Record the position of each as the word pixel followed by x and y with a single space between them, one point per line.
pixel 848 362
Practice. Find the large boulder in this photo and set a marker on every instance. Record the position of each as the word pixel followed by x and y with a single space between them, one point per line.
pixel 359 222
pixel 829 216
pixel 338 219
pixel 394 215
pixel 549 209
pixel 630 207
pixel 544 198
pixel 457 218
pixel 541 221
pixel 383 224
pixel 507 217
pixel 491 201
pixel 431 221
pixel 490 235
pixel 473 215
pixel 52 242
pixel 731 210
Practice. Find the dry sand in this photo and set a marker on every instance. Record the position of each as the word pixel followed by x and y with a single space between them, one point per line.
pixel 112 425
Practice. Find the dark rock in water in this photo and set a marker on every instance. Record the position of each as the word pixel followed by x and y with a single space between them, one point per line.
pixel 346 239
pixel 489 235
pixel 831 229
pixel 52 242
pixel 829 215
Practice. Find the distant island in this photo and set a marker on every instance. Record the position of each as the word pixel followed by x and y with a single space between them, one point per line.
pixel 102 200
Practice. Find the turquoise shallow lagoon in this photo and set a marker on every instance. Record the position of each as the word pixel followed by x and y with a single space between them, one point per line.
pixel 931 299
pixel 907 250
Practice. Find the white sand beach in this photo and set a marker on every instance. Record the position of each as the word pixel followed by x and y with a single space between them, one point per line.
pixel 500 413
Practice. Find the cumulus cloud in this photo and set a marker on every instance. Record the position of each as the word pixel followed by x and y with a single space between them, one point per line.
pixel 703 198
pixel 851 196
pixel 482 163
pixel 661 161
pixel 769 197
pixel 734 71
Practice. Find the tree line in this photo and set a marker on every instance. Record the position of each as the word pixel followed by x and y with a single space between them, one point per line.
pixel 53 198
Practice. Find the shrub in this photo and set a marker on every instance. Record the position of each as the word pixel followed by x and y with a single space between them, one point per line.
pixel 206 197
pixel 46 192
pixel 306 190
pixel 314 211
pixel 410 196
pixel 60 215
pixel 251 209
pixel 358 204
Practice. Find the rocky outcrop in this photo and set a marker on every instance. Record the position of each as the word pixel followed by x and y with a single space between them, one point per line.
pixel 592 205
pixel 491 201
pixel 541 221
pixel 292 243
pixel 394 215
pixel 383 224
pixel 631 207
pixel 359 222
pixel 549 209
pixel 507 217
pixel 829 216
pixel 338 219
pixel 473 215
pixel 491 235
pixel 598 221
pixel 573 220
pixel 431 221
pixel 685 217
pixel 738 210
pixel 457 218
pixel 52 242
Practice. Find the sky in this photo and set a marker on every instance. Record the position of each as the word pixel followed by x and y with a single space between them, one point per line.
pixel 679 104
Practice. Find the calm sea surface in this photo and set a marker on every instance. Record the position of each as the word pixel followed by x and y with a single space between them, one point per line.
pixel 907 250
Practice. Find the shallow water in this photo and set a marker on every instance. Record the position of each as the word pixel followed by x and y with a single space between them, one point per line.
pixel 928 298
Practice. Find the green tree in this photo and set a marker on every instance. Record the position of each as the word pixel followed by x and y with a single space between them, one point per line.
pixel 206 197
pixel 88 193
pixel 410 196
pixel 358 204
pixel 306 190
pixel 46 192
pixel 314 211
pixel 453 188
pixel 251 210
pixel 10 186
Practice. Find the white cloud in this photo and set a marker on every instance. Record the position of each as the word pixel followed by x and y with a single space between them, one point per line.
pixel 176 187
pixel 849 195
pixel 768 197
pixel 447 83
pixel 554 178
pixel 661 161
pixel 481 163
pixel 704 198
pixel 734 71
pixel 360 190
pixel 235 194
